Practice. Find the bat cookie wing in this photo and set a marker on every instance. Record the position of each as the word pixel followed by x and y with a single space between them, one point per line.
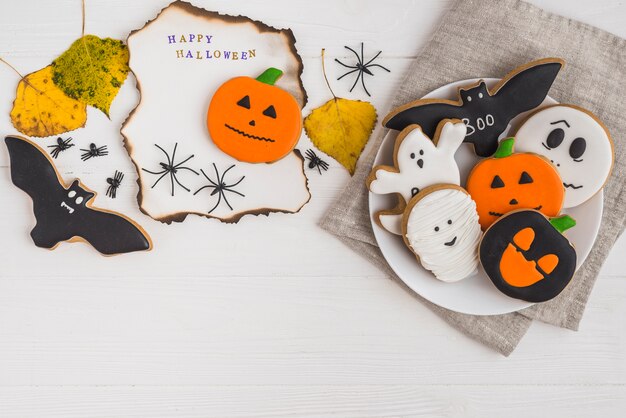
pixel 427 113
pixel 527 86
pixel 31 169
pixel 110 233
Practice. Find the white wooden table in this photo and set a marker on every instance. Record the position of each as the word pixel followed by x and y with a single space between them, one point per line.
pixel 273 316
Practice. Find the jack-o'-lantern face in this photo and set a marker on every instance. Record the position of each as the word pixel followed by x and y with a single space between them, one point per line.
pixel 254 121
pixel 526 257
pixel 508 182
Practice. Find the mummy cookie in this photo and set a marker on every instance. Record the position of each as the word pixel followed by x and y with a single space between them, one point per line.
pixel 511 181
pixel 526 256
pixel 576 142
pixel 64 213
pixel 487 112
pixel 254 121
pixel 418 162
pixel 440 225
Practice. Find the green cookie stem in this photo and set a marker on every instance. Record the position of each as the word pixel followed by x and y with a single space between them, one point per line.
pixel 270 76
pixel 505 148
pixel 563 223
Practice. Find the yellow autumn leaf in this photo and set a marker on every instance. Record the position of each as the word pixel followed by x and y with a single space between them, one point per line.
pixel 42 109
pixel 92 70
pixel 341 128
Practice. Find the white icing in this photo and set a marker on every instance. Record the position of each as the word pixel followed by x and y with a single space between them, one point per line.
pixel 434 211
pixel 592 168
pixel 392 223
pixel 438 165
pixel 175 95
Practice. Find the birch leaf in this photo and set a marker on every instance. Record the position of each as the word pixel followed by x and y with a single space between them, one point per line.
pixel 92 70
pixel 341 128
pixel 42 109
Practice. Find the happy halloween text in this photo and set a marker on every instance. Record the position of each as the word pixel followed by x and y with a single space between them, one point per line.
pixel 199 40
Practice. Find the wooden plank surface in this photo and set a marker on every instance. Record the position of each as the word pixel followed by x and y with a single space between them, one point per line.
pixel 272 317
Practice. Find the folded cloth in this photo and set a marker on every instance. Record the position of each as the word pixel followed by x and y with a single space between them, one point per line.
pixel 488 38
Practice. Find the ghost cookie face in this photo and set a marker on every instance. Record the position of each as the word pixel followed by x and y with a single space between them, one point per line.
pixel 419 162
pixel 576 142
pixel 511 181
pixel 440 225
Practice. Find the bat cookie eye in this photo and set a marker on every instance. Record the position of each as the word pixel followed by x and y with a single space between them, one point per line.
pixel 480 95
pixel 469 98
pixel 71 194
pixel 577 148
pixel 79 200
pixel 555 138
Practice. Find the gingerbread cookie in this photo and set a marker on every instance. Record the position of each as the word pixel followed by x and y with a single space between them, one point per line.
pixel 64 213
pixel 254 121
pixel 204 50
pixel 487 112
pixel 418 162
pixel 526 256
pixel 440 225
pixel 576 142
pixel 511 181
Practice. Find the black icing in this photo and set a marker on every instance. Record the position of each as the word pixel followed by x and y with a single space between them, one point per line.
pixel 244 102
pixel 547 241
pixel 497 182
pixel 525 178
pixel 64 213
pixel 555 137
pixel 577 148
pixel 270 111
pixel 486 115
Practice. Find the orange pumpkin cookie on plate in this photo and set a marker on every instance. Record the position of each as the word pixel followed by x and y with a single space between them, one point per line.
pixel 512 181
pixel 526 256
pixel 254 121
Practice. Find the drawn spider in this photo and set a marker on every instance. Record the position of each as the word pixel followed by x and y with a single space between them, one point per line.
pixel 114 183
pixel 315 161
pixel 362 67
pixel 60 146
pixel 220 186
pixel 93 151
pixel 171 168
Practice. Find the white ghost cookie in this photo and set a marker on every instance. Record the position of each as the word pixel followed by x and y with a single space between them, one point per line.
pixel 440 225
pixel 419 162
pixel 576 142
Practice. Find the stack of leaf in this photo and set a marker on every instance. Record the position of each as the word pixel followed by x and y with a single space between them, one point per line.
pixel 54 100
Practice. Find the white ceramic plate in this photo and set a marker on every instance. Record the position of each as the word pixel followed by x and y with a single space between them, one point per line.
pixel 476 294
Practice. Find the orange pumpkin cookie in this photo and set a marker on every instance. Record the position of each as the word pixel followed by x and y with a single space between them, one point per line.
pixel 526 256
pixel 254 121
pixel 508 182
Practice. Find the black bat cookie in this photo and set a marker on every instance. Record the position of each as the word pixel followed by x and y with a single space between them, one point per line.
pixel 65 213
pixel 486 112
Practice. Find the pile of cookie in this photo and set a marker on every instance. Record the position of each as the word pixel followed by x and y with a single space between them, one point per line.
pixel 507 216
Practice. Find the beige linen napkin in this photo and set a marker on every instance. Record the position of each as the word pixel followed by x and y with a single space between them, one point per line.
pixel 488 38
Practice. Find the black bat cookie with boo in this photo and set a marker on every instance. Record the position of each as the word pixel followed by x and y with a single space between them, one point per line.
pixel 65 213
pixel 486 112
